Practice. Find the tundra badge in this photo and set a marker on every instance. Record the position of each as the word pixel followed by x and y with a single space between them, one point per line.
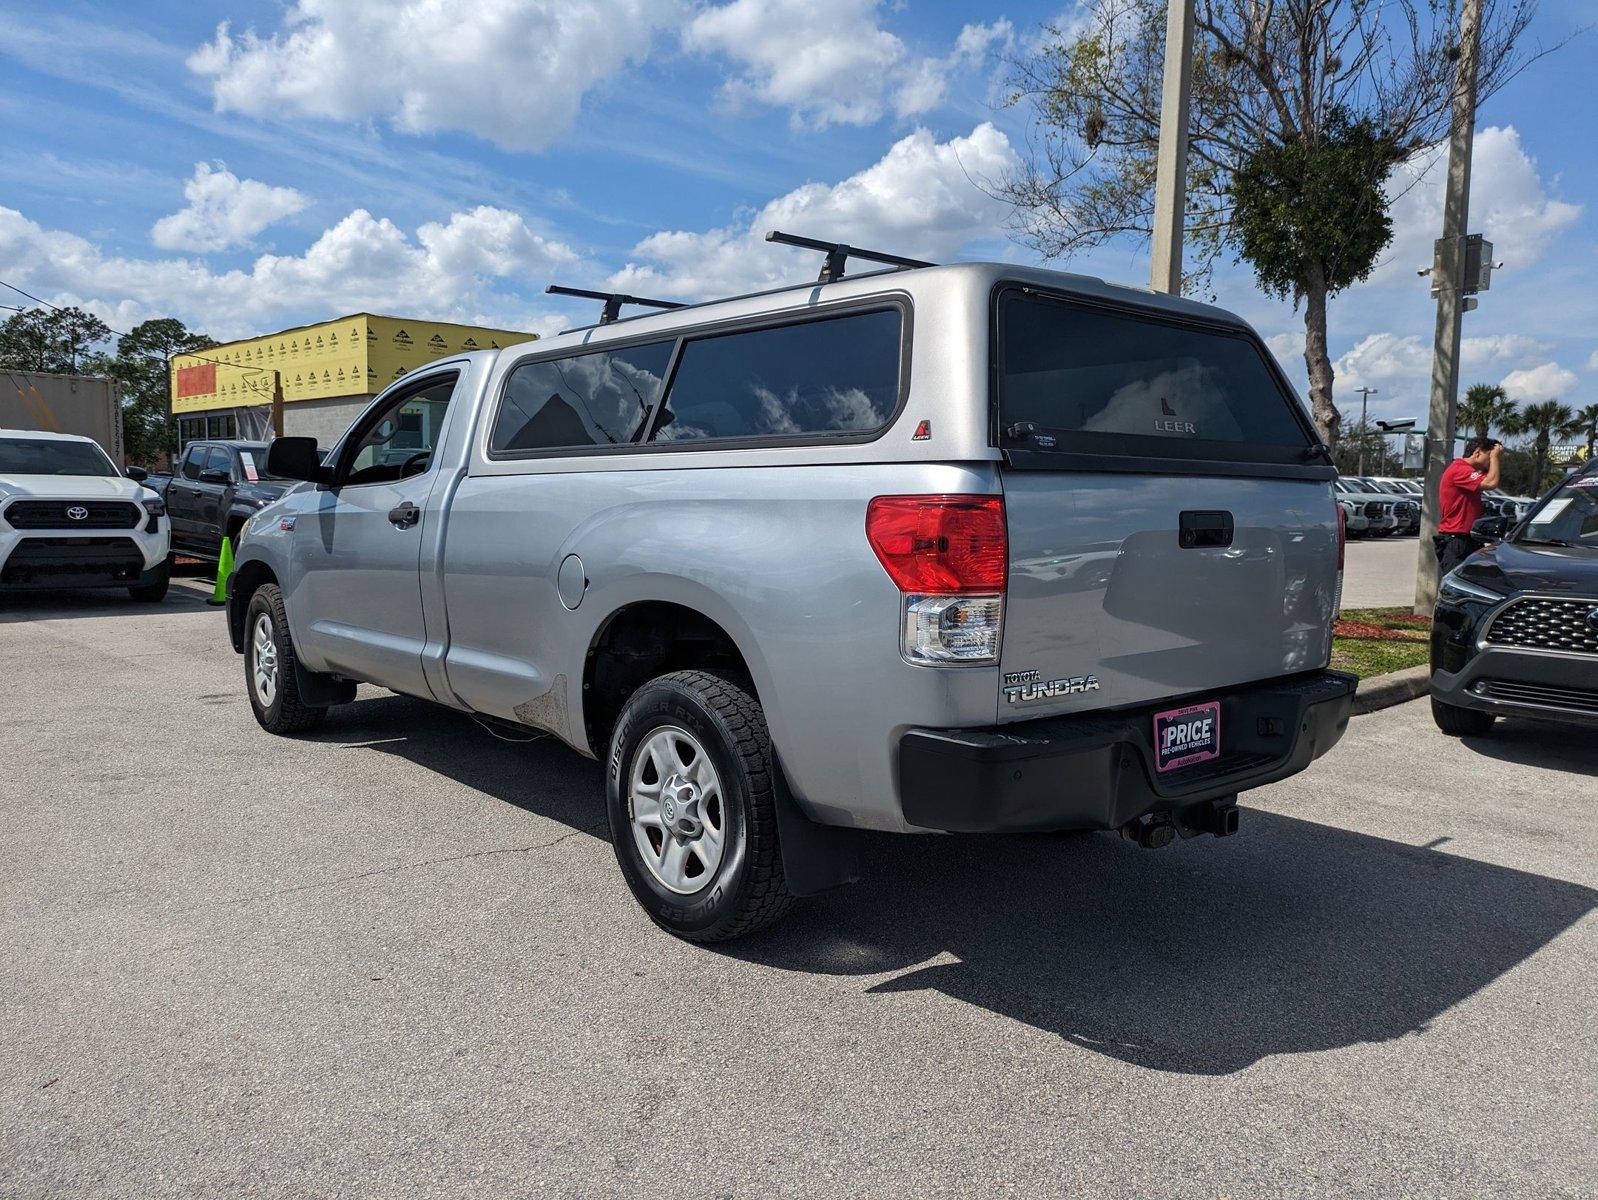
pixel 1022 686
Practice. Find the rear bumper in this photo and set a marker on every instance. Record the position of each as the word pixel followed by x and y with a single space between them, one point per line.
pixel 1541 685
pixel 1096 771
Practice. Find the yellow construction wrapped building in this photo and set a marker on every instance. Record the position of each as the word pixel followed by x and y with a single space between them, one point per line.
pixel 330 371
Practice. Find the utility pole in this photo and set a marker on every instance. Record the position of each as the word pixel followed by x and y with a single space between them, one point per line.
pixel 277 404
pixel 1448 277
pixel 1365 394
pixel 1170 173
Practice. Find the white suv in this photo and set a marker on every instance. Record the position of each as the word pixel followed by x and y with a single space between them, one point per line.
pixel 69 518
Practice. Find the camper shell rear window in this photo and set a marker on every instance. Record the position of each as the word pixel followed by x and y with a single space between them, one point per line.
pixel 1100 381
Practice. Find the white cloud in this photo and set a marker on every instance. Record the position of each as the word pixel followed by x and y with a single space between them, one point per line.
pixel 1401 366
pixel 1509 204
pixel 1288 347
pixel 223 211
pixel 1592 361
pixel 918 200
pixel 830 61
pixel 1478 352
pixel 458 269
pixel 512 71
pixel 1546 381
pixel 1383 360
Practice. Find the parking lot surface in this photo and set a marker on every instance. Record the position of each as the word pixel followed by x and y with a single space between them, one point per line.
pixel 396 958
pixel 1379 573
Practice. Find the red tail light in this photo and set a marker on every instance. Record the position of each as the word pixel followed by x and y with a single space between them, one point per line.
pixel 948 545
pixel 1342 535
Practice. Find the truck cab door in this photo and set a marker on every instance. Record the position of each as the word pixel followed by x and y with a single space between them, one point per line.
pixel 357 602
pixel 183 496
pixel 213 486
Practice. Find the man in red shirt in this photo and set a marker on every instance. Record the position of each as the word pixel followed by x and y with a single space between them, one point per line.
pixel 1459 499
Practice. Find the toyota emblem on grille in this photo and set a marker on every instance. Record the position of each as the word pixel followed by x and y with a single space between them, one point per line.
pixel 78 513
pixel 1592 618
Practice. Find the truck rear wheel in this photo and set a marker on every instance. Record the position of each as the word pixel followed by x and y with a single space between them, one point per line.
pixel 269 667
pixel 692 805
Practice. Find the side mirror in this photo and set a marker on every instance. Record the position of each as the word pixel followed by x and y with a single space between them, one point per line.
pixel 1490 529
pixel 295 458
pixel 212 475
pixel 137 474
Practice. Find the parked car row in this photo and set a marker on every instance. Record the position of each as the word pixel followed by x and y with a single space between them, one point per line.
pixel 1379 505
pixel 1370 510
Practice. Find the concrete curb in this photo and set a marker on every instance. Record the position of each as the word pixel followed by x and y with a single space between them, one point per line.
pixel 1384 691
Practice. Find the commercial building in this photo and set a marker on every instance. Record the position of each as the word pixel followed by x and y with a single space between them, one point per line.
pixel 329 372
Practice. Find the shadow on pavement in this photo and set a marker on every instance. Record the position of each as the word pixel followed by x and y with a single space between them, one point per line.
pixel 98 602
pixel 1540 744
pixel 1203 958
pixel 543 776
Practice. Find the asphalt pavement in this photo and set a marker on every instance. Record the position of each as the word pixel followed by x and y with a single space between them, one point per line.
pixel 1379 573
pixel 395 958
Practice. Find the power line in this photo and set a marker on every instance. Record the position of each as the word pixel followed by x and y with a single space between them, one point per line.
pixel 120 334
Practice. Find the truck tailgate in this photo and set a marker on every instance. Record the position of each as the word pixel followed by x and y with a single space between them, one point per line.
pixel 1102 585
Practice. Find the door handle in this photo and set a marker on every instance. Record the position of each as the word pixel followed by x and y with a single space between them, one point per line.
pixel 196 492
pixel 405 515
pixel 1199 529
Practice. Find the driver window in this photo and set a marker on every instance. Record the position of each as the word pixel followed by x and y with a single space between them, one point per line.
pixel 401 441
pixel 219 460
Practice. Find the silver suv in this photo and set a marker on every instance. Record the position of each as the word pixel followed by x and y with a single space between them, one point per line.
pixel 950 548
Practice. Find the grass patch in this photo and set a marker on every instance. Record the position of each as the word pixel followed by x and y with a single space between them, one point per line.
pixel 1374 641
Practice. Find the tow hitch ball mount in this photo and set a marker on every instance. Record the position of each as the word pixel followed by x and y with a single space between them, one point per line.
pixel 1153 830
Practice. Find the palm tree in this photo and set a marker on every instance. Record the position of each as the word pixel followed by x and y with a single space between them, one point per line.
pixel 1586 426
pixel 1485 405
pixel 1544 422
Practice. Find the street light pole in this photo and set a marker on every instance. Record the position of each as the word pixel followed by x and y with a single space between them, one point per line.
pixel 1170 170
pixel 1365 394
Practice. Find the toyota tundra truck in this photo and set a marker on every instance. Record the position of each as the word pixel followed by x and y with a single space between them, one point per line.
pixel 926 549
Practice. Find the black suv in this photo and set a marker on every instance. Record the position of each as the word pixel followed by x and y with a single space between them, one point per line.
pixel 1516 628
pixel 215 488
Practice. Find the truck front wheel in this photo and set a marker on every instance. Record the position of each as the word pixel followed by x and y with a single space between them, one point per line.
pixel 1461 722
pixel 152 585
pixel 269 667
pixel 693 816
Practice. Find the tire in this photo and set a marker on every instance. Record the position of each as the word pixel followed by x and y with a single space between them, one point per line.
pixel 1461 722
pixel 154 591
pixel 691 720
pixel 278 707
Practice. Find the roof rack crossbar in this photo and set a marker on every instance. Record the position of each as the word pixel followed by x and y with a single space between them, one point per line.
pixel 613 300
pixel 839 253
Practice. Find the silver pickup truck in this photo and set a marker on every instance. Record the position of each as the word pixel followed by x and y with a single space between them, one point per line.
pixel 956 548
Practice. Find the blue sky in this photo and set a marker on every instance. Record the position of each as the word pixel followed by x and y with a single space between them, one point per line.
pixel 249 166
